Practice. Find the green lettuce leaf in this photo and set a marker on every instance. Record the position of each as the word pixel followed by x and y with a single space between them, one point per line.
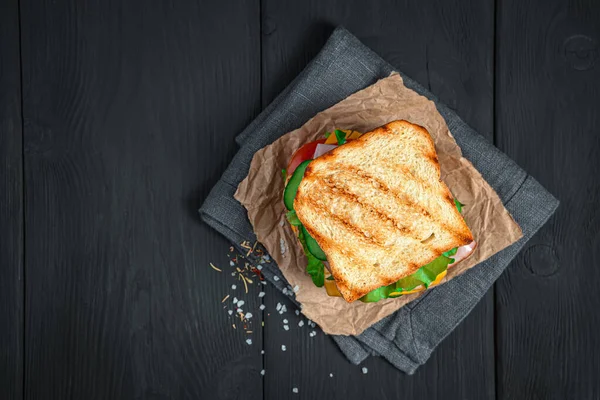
pixel 315 267
pixel 378 294
pixel 424 276
pixel 458 205
pixel 340 136
pixel 293 218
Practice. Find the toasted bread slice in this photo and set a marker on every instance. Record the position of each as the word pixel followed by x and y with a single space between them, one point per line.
pixel 379 209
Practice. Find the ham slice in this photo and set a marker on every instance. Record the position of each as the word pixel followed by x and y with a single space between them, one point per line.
pixel 463 252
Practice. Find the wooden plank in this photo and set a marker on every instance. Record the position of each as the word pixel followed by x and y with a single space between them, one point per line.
pixel 11 205
pixel 448 47
pixel 131 110
pixel 548 92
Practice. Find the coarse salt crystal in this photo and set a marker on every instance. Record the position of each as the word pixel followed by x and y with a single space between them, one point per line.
pixel 239 310
pixel 296 288
pixel 261 294
pixel 233 274
pixel 297 312
pixel 233 287
pixel 301 323
pixel 330 375
pixel 263 282
pixel 267 257
pixel 262 372
pixel 285 321
pixel 241 303
pixel 248 315
pixel 262 307
pixel 278 307
pixel 282 247
pixel 230 312
pixel 275 278
pixel 287 328
pixel 295 390
pixel 235 300
pixel 249 341
pixel 262 352
pixel 364 370
pixel 231 263
pixel 283 348
pixel 283 309
pixel 259 267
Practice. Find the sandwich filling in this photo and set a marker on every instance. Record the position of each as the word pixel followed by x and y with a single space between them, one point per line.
pixel 317 267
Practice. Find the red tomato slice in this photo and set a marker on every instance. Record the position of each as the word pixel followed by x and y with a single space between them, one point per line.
pixel 303 153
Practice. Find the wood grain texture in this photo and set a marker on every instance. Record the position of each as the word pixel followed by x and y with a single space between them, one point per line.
pixel 11 206
pixel 448 47
pixel 131 109
pixel 548 94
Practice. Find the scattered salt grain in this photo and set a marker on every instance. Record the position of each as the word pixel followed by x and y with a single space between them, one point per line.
pixel 262 352
pixel 248 315
pixel 301 323
pixel 278 307
pixel 263 282
pixel 233 287
pixel 241 303
pixel 297 312
pixel 287 328
pixel 285 321
pixel 259 267
pixel 312 333
pixel 283 348
pixel 282 247
pixel 262 307
pixel 296 288
pixel 364 370
pixel 262 372
pixel 275 278
pixel 295 390
pixel 330 375
pixel 239 310
pixel 235 300
pixel 249 341
pixel 231 263
pixel 261 294
pixel 267 257
pixel 230 312
pixel 233 274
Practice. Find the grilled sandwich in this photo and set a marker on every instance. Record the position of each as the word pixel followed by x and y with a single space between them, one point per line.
pixel 375 211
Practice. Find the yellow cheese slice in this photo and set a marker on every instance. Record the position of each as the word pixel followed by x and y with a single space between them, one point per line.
pixel 350 135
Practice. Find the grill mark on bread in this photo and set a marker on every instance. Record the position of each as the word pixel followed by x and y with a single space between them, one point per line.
pixel 404 200
pixel 346 223
pixel 396 224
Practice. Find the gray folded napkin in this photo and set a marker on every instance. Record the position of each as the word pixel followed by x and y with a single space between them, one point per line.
pixel 407 337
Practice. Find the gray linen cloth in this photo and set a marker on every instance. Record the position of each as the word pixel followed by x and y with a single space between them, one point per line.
pixel 407 337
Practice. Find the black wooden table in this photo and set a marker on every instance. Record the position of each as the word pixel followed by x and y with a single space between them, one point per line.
pixel 116 118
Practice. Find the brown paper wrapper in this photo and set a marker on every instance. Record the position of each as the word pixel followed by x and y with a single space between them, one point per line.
pixel 385 101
